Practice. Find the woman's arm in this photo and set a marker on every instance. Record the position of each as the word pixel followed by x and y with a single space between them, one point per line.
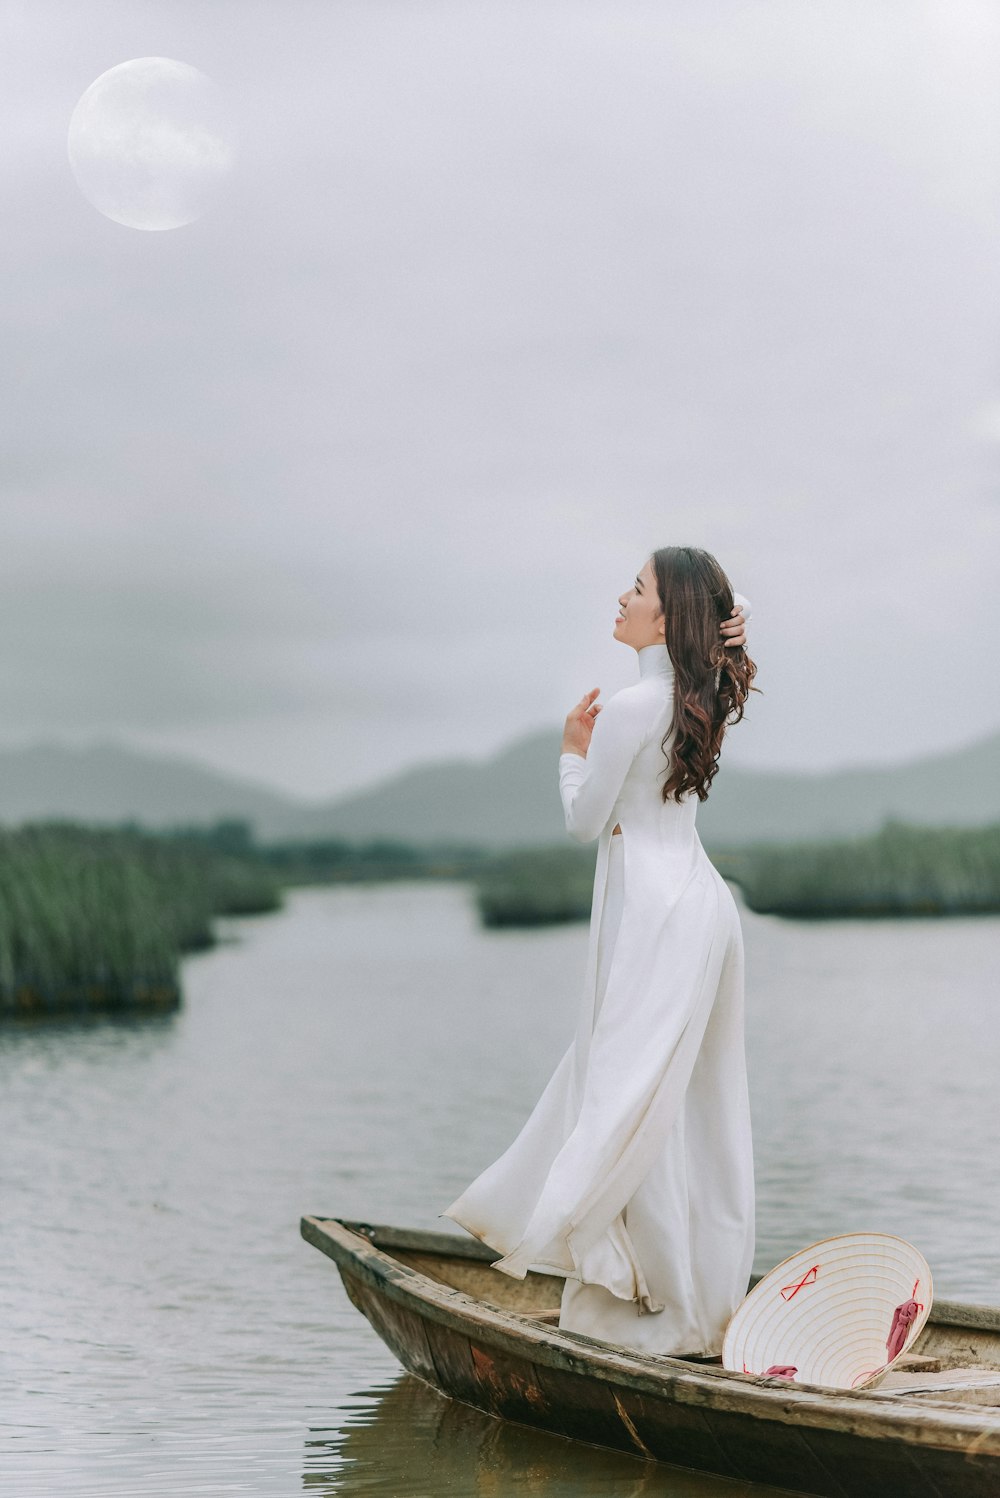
pixel 590 784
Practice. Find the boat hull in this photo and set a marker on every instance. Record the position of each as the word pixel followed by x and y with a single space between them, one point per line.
pixel 832 1444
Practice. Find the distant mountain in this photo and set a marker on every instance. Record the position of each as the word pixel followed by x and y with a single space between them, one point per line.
pixel 512 798
pixel 109 782
pixel 509 799
pixel 506 800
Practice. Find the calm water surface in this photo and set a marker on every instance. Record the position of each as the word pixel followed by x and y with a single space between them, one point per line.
pixel 367 1051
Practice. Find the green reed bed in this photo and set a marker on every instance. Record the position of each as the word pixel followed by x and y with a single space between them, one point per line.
pixel 535 886
pixel 97 918
pixel 898 871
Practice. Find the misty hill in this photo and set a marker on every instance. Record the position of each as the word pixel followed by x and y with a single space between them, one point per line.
pixel 508 799
pixel 109 782
pixel 512 798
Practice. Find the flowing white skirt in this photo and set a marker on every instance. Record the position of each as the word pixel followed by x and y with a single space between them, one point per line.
pixel 663 1107
pixel 652 1217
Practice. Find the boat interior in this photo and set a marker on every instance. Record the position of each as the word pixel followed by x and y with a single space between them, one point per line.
pixel 955 1358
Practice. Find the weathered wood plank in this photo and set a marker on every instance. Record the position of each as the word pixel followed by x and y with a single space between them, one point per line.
pixel 630 1421
pixel 483 1282
pixel 511 1387
pixel 404 1333
pixel 761 1452
pixel 865 1466
pixel 969 1473
pixel 420 1240
pixel 453 1360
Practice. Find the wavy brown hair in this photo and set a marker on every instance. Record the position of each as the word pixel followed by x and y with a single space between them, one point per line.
pixel 712 681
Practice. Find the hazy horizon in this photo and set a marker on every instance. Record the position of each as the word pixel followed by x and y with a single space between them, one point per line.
pixel 263 783
pixel 348 474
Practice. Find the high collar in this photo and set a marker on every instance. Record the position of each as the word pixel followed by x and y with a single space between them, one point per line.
pixel 654 660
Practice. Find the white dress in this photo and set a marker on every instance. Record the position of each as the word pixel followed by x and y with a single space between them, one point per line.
pixel 633 1176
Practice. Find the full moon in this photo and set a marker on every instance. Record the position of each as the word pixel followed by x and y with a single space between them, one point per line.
pixel 149 143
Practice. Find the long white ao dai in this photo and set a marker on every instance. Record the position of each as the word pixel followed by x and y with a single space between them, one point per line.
pixel 633 1176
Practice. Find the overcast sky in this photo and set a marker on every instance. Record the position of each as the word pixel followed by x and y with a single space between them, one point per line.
pixel 499 297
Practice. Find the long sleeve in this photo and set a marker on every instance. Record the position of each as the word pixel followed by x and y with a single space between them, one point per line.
pixel 590 786
pixel 738 598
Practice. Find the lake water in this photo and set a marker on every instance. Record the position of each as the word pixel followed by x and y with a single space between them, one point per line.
pixel 365 1052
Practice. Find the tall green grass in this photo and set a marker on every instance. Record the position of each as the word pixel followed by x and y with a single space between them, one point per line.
pixel 536 886
pixel 97 918
pixel 898 871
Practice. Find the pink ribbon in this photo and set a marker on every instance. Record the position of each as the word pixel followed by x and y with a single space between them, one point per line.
pixel 903 1318
pixel 780 1370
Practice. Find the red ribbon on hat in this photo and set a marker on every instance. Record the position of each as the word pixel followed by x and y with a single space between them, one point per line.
pixel 807 1279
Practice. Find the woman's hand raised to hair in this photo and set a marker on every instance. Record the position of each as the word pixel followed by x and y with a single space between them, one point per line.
pixel 580 724
pixel 580 721
pixel 734 630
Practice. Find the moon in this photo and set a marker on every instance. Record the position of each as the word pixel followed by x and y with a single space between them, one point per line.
pixel 150 143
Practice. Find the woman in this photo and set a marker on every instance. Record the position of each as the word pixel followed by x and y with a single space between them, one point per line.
pixel 633 1177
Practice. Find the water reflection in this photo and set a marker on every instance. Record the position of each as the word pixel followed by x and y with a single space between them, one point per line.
pixel 404 1438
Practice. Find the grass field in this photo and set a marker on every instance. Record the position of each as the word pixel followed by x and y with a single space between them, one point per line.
pixel 535 886
pixel 98 918
pixel 899 871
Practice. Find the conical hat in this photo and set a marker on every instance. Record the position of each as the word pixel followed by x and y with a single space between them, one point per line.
pixel 835 1313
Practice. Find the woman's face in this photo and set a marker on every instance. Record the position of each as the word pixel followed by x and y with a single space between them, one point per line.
pixel 641 620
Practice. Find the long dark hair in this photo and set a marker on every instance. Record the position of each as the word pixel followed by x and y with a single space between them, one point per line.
pixel 712 681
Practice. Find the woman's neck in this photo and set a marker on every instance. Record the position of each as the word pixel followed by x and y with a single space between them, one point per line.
pixel 654 660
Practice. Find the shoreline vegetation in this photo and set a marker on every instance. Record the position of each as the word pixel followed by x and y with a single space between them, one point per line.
pixel 96 919
pixel 901 870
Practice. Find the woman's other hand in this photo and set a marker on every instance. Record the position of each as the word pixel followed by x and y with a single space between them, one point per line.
pixel 734 631
pixel 580 725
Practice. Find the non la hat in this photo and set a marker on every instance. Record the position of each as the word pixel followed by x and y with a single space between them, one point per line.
pixel 836 1313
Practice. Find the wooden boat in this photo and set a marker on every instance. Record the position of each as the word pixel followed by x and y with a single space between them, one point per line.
pixel 931 1429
